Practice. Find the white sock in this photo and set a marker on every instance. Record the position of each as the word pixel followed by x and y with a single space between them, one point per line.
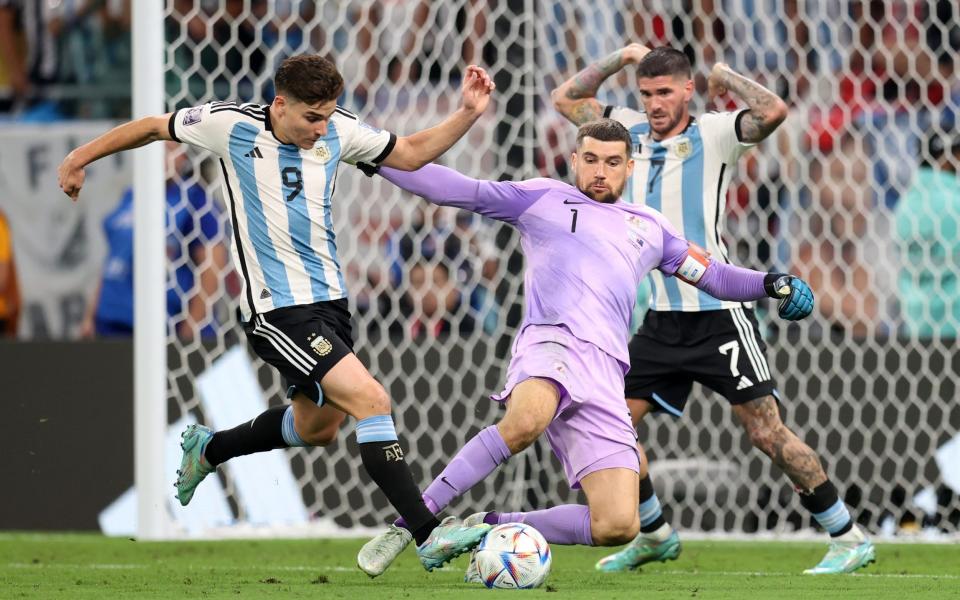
pixel 659 534
pixel 855 535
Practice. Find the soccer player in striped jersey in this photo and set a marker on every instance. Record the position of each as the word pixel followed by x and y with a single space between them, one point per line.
pixel 279 165
pixel 683 169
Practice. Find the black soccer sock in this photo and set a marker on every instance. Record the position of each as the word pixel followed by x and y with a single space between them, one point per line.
pixel 827 508
pixel 265 432
pixel 382 457
pixel 651 515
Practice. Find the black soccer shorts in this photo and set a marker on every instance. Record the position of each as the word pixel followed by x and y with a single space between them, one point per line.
pixel 303 342
pixel 720 349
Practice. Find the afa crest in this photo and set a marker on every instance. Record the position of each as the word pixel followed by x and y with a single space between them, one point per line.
pixel 321 152
pixel 319 344
pixel 683 148
pixel 393 452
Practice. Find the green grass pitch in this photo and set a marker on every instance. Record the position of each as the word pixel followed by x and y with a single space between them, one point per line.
pixel 91 566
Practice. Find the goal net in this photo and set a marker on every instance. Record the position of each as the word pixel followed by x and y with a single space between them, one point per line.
pixel 869 381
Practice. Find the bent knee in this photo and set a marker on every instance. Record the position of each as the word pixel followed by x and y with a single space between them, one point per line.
pixel 373 397
pixel 318 430
pixel 321 437
pixel 615 531
pixel 519 434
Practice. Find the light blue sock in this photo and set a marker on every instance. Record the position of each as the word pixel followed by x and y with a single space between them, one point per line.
pixel 290 435
pixel 835 518
pixel 378 428
pixel 650 510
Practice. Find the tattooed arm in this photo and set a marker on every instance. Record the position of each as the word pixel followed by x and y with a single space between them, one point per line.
pixel 766 112
pixel 576 97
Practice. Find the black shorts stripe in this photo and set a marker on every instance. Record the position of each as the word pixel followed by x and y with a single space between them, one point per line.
pixel 284 346
pixel 280 336
pixel 303 342
pixel 749 341
pixel 722 350
pixel 296 365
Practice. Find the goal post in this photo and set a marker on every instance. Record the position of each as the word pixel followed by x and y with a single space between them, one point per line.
pixel 150 314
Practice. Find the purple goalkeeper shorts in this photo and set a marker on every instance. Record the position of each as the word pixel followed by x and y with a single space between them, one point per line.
pixel 592 429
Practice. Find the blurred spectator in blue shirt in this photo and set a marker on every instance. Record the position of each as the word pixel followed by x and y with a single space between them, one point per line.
pixel 196 260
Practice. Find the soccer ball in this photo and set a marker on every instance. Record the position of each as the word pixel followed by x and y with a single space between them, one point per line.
pixel 513 556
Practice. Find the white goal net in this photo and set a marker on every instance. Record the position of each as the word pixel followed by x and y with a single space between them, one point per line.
pixel 869 381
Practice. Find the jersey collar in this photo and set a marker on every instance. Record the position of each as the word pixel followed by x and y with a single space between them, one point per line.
pixel 268 124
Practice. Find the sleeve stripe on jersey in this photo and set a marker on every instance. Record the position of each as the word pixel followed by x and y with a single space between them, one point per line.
pixel 716 220
pixel 607 111
pixel 245 112
pixel 347 113
pixel 246 106
pixel 171 126
pixel 253 110
pixel 386 150
pixel 736 124
pixel 236 239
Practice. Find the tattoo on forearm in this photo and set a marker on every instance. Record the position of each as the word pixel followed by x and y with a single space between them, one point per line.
pixel 760 121
pixel 585 111
pixel 586 83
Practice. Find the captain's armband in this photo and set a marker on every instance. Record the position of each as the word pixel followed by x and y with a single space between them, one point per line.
pixel 694 264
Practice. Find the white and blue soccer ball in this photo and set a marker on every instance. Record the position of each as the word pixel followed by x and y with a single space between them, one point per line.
pixel 513 556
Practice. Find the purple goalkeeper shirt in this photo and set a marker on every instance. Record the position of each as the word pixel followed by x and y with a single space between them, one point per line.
pixel 584 259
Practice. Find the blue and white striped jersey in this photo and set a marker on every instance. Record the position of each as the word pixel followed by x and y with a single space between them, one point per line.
pixel 279 197
pixel 686 178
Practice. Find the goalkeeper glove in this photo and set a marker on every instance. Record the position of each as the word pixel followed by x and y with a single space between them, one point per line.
pixel 796 297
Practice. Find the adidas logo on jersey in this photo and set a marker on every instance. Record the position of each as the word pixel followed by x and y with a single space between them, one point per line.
pixel 744 382
pixel 265 294
pixel 255 153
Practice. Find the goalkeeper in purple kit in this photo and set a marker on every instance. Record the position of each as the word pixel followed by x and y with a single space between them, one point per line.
pixel 586 251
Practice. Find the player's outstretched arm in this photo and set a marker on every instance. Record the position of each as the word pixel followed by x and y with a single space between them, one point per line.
pixel 501 200
pixel 767 110
pixel 576 97
pixel 690 263
pixel 413 151
pixel 434 183
pixel 130 135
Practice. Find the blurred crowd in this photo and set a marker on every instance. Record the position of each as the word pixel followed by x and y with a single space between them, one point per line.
pixel 64 59
pixel 858 193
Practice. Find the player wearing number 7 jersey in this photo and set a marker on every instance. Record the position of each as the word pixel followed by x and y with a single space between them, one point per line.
pixel 586 251
pixel 279 166
pixel 683 170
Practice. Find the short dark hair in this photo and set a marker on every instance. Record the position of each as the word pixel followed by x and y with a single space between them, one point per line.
pixel 664 61
pixel 605 130
pixel 309 78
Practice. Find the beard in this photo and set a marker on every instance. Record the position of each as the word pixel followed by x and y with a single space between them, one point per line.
pixel 672 121
pixel 606 197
